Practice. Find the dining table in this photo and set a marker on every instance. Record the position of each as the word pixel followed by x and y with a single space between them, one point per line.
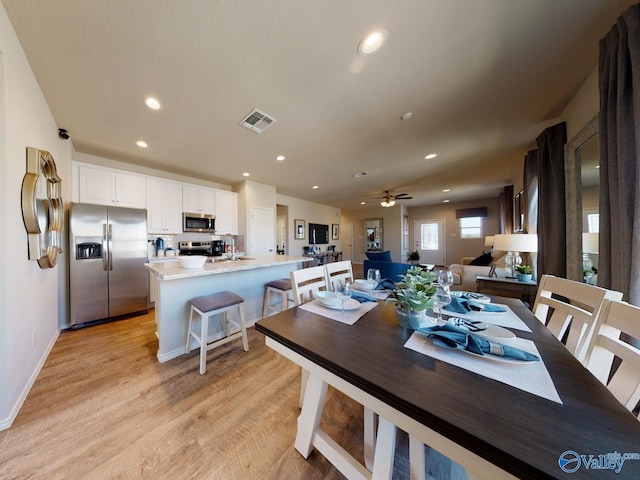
pixel 463 405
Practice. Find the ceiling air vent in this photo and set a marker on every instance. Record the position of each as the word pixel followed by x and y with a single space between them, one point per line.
pixel 257 121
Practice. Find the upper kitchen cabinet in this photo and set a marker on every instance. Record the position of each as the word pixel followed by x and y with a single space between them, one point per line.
pixel 226 212
pixel 198 199
pixel 111 187
pixel 164 207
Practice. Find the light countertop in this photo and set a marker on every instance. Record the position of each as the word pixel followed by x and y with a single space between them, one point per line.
pixel 171 270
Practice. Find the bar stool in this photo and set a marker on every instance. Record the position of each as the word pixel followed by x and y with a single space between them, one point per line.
pixel 207 306
pixel 281 289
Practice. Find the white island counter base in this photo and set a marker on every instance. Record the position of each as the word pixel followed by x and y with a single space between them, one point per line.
pixel 176 286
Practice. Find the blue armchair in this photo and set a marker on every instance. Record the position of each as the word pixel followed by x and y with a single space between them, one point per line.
pixel 388 269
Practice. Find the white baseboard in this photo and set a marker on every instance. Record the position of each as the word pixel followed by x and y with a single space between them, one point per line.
pixel 6 422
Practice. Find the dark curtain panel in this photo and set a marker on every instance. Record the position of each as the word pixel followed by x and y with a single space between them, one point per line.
pixel 619 69
pixel 530 182
pixel 551 205
pixel 505 204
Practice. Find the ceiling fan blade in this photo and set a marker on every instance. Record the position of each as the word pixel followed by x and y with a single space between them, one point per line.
pixel 401 196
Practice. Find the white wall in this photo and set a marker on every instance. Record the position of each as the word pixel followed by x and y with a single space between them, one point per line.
pixel 30 298
pixel 310 212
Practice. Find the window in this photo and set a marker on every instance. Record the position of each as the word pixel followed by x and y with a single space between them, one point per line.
pixel 471 227
pixel 429 236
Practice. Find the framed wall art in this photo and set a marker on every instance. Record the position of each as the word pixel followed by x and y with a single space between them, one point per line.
pixel 298 229
pixel 335 231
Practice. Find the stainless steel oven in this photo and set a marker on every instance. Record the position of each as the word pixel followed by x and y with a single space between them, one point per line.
pixel 198 222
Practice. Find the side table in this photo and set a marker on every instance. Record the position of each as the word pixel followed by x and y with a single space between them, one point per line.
pixel 507 287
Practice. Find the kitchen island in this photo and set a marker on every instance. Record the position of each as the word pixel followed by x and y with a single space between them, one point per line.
pixel 176 286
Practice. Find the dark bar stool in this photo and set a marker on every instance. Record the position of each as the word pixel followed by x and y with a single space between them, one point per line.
pixel 207 306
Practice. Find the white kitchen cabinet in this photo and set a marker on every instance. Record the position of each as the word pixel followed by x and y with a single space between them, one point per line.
pixel 164 207
pixel 198 199
pixel 226 204
pixel 104 186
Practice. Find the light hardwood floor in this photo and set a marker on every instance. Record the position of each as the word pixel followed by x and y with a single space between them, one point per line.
pixel 103 407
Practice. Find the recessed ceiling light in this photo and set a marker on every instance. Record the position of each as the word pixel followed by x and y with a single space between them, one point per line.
pixel 152 103
pixel 446 190
pixel 407 116
pixel 142 144
pixel 361 174
pixel 372 42
pixel 315 187
pixel 446 201
pixel 246 174
pixel 363 203
pixel 597 166
pixel 430 156
pixel 280 158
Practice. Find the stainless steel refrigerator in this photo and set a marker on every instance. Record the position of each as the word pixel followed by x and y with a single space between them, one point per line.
pixel 108 250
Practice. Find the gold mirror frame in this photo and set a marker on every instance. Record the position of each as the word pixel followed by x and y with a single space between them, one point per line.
pixel 43 217
pixel 573 198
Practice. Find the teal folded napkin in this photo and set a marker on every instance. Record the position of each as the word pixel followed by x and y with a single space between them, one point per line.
pixel 467 305
pixel 386 284
pixel 362 297
pixel 450 336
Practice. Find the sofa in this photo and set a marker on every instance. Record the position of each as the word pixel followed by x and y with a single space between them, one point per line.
pixel 464 274
pixel 383 262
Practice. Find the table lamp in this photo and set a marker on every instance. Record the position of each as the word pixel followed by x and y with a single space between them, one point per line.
pixel 513 244
pixel 488 242
pixel 590 244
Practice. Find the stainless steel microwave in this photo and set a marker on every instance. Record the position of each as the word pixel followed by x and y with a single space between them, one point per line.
pixel 198 222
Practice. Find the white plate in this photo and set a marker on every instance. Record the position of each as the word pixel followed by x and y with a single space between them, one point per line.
pixel 495 358
pixel 364 285
pixel 490 331
pixel 351 304
pixel 481 298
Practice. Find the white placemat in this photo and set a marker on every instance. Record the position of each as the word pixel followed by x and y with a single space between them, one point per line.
pixel 506 319
pixel 350 316
pixel 531 377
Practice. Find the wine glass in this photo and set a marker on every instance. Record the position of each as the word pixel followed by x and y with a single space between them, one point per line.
pixel 441 299
pixel 445 278
pixel 342 290
pixel 373 276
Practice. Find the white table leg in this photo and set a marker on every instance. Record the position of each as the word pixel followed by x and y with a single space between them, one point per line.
pixel 304 376
pixel 416 459
pixel 385 450
pixel 370 425
pixel 311 414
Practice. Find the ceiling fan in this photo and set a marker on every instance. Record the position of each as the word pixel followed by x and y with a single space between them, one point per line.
pixel 389 200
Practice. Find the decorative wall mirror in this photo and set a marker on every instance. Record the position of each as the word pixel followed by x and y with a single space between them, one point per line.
pixel 581 158
pixel 42 208
pixel 373 235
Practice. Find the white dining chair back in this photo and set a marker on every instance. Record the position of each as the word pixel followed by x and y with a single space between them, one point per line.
pixel 336 271
pixel 306 282
pixel 569 308
pixel 617 326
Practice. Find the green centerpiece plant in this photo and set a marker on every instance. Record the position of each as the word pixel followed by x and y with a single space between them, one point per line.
pixel 413 296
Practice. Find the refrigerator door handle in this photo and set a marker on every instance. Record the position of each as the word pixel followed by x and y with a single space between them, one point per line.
pixel 110 247
pixel 104 247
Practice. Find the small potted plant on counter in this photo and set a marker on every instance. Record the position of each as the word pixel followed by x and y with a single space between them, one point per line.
pixel 524 273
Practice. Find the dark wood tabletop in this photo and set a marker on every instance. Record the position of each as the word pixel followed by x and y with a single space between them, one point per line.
pixel 520 432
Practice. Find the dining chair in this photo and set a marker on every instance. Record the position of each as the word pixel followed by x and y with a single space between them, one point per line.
pixel 619 321
pixel 570 309
pixel 336 271
pixel 306 282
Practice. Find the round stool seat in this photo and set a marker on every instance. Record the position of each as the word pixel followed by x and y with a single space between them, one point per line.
pixel 281 284
pixel 215 301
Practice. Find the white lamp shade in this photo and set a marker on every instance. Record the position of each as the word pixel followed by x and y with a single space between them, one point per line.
pixel 488 241
pixel 516 242
pixel 590 242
